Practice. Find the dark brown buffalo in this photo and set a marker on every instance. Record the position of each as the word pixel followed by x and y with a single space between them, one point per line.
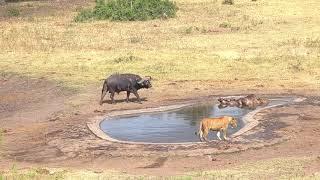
pixel 233 103
pixel 250 101
pixel 124 82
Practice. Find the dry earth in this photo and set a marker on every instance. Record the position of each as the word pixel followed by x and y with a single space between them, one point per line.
pixel 44 125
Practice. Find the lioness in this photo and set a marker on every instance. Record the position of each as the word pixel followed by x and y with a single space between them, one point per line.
pixel 215 124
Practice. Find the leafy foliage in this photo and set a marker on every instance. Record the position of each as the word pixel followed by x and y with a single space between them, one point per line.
pixel 13 12
pixel 129 10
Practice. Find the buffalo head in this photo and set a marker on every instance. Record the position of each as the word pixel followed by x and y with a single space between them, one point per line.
pixel 145 82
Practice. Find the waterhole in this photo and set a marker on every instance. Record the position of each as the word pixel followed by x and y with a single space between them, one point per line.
pixel 174 126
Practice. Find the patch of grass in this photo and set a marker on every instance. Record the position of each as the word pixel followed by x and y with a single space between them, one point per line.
pixel 187 47
pixel 13 12
pixel 78 70
pixel 235 28
pixel 228 2
pixel 135 39
pixel 132 10
pixel 312 42
pixel 56 174
pixel 189 30
pixel 84 16
pixel 225 25
pixel 256 22
pixel 296 66
pixel 292 41
pixel 127 59
pixel 281 168
pixel 195 29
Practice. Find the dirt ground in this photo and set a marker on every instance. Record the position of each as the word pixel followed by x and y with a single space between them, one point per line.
pixel 44 125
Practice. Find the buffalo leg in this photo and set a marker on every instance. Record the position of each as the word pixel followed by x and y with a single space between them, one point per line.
pixel 128 94
pixel 103 93
pixel 137 95
pixel 112 97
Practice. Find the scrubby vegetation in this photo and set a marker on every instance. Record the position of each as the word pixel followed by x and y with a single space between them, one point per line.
pixel 129 10
pixel 225 25
pixel 13 12
pixel 229 2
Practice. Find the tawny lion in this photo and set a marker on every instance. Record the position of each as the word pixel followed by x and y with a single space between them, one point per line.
pixel 219 124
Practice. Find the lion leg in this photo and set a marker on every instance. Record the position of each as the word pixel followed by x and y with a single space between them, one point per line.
pixel 201 136
pixel 225 134
pixel 218 135
pixel 205 135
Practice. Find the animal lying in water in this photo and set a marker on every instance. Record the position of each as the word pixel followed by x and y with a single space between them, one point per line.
pixel 250 101
pixel 219 124
pixel 124 82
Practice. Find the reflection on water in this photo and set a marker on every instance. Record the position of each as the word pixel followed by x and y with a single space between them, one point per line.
pixel 170 126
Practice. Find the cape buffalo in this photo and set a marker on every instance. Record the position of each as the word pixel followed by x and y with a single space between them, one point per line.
pixel 124 82
pixel 250 101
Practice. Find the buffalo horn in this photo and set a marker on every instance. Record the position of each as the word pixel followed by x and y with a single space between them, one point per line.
pixel 148 77
pixel 141 81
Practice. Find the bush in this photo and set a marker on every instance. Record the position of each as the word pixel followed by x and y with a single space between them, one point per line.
pixel 13 12
pixel 129 10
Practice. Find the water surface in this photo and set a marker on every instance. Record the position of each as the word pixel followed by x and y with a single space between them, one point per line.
pixel 174 126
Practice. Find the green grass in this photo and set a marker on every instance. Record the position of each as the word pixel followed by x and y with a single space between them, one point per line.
pixel 225 25
pixel 13 12
pixel 132 10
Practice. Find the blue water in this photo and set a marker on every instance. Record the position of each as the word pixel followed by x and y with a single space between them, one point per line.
pixel 171 126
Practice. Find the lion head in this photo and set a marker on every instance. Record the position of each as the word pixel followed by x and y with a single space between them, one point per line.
pixel 233 122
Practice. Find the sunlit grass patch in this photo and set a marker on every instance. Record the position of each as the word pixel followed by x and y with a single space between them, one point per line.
pixel 56 174
pixel 313 42
pixel 78 69
pixel 206 41
pixel 279 168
